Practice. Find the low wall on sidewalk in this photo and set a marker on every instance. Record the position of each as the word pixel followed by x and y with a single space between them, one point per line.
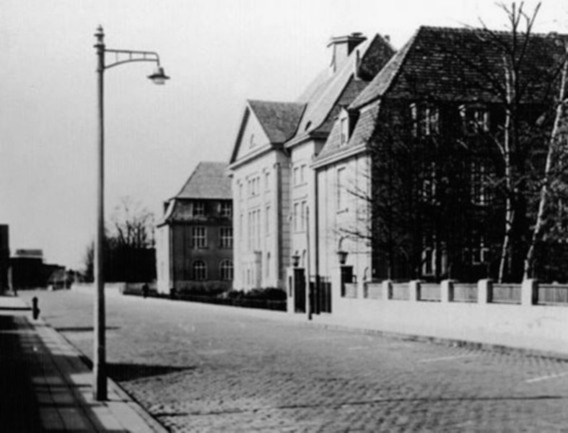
pixel 527 316
pixel 110 288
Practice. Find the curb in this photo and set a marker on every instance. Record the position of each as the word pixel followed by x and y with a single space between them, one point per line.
pixel 150 421
pixel 449 342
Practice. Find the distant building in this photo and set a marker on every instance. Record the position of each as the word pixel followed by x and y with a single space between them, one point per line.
pixel 4 257
pixel 195 237
pixel 28 271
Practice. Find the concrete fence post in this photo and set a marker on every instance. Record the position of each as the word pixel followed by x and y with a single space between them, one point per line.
pixel 485 291
pixel 386 288
pixel 414 290
pixel 529 292
pixel 447 291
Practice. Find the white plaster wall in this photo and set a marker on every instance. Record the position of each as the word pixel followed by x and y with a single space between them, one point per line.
pixel 263 258
pixel 163 259
pixel 331 220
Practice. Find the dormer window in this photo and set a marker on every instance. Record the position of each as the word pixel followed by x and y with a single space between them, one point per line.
pixel 199 209
pixel 425 119
pixel 344 127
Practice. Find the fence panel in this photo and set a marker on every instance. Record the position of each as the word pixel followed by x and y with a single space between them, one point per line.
pixel 506 294
pixel 373 290
pixel 465 293
pixel 350 290
pixel 430 292
pixel 400 292
pixel 552 294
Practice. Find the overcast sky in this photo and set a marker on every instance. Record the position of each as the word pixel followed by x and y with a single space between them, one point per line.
pixel 217 52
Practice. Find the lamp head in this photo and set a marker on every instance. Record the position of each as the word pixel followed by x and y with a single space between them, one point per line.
pixel 342 255
pixel 295 260
pixel 159 76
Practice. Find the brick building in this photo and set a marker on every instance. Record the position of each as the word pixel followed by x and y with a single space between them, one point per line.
pixel 195 237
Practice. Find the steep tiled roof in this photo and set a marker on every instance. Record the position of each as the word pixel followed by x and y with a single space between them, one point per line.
pixel 325 95
pixel 363 131
pixel 209 180
pixel 278 119
pixel 451 63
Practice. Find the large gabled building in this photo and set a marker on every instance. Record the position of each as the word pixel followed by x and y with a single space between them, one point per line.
pixel 407 182
pixel 273 185
pixel 195 236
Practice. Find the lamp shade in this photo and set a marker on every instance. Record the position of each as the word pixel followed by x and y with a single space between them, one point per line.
pixel 295 260
pixel 342 255
pixel 159 76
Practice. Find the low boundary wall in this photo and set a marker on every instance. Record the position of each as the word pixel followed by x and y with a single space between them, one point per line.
pixel 507 315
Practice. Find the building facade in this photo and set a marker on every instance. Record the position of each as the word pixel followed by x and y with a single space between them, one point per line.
pixel 195 237
pixel 410 179
pixel 273 184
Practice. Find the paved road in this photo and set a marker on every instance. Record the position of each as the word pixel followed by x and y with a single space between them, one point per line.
pixel 214 369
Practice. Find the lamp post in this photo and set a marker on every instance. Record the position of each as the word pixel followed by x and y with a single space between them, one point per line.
pixel 158 77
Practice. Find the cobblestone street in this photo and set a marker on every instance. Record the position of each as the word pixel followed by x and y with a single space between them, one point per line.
pixel 214 369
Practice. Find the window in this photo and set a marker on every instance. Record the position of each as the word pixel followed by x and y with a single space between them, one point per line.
pixel 296 176
pixel 240 191
pixel 344 127
pixel 199 270
pixel 199 209
pixel 341 189
pixel 267 181
pixel 475 119
pixel 425 120
pixel 226 237
pixel 303 216
pixel 428 192
pixel 478 184
pixel 428 256
pixel 296 217
pixel 479 251
pixel 226 269
pixel 199 237
pixel 226 209
pixel 267 222
pixel 303 173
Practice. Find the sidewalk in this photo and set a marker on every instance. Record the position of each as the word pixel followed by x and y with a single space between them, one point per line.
pixel 45 385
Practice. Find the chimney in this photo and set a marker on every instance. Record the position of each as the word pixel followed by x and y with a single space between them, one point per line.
pixel 343 46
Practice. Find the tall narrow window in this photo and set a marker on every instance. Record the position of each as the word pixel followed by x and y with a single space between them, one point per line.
pixel 226 209
pixel 428 256
pixel 226 237
pixel 341 189
pixel 226 268
pixel 344 127
pixel 198 209
pixel 199 237
pixel 429 183
pixel 479 184
pixel 267 181
pixel 267 222
pixel 199 270
pixel 296 176
pixel 296 217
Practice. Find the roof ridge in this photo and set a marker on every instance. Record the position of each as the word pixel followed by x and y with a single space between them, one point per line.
pixel 403 54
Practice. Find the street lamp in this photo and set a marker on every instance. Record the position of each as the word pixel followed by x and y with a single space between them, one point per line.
pixel 158 77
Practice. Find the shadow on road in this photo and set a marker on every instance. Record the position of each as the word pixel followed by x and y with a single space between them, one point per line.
pixel 127 372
